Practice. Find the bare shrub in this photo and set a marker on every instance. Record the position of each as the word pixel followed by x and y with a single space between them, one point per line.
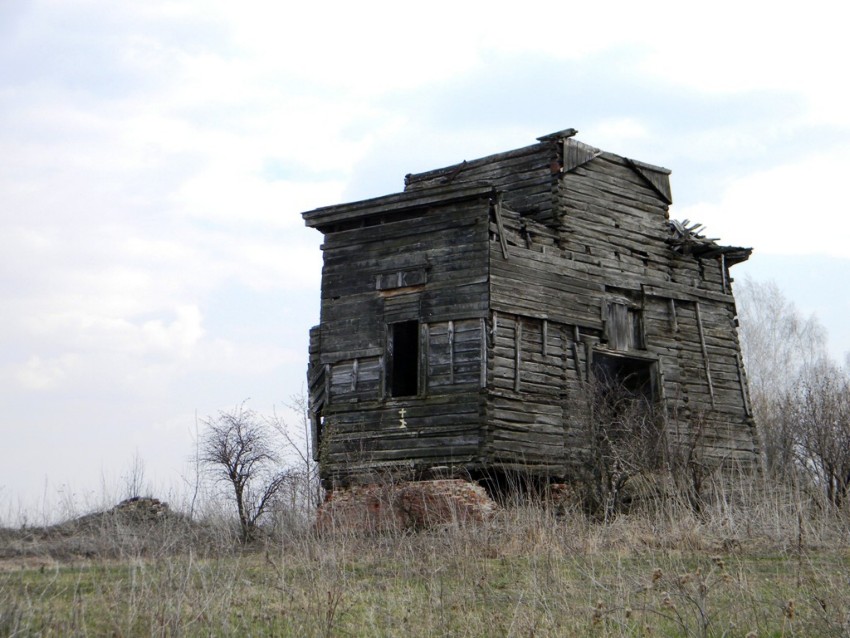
pixel 135 484
pixel 623 438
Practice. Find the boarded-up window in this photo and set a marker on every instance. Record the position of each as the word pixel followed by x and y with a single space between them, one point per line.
pixel 623 329
pixel 403 358
pixel 355 379
pixel 401 279
pixel 455 353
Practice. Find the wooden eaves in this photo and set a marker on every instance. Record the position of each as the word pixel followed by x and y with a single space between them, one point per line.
pixel 343 216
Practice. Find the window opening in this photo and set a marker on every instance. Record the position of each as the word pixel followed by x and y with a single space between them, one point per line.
pixel 403 359
pixel 627 376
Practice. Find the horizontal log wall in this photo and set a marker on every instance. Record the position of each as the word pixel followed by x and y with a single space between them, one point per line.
pixel 527 380
pixel 454 355
pixel 402 434
pixel 610 242
pixel 431 269
pixel 513 298
pixel 448 243
pixel 525 176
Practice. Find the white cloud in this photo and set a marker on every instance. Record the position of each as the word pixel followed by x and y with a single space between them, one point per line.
pixel 797 208
pixel 154 158
pixel 179 336
pixel 610 132
pixel 40 374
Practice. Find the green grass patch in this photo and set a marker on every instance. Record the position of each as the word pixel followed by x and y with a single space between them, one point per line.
pixel 437 584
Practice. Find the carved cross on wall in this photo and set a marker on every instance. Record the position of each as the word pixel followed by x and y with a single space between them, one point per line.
pixel 401 422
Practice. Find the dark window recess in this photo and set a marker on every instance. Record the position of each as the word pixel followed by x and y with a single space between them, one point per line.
pixel 624 377
pixel 403 359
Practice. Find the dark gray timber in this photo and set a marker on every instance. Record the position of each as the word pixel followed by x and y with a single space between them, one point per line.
pixel 460 319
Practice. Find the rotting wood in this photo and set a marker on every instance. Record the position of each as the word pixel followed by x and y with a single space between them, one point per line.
pixel 451 340
pixel 424 357
pixel 741 382
pixel 497 211
pixel 518 353
pixel 576 340
pixel 545 329
pixel 483 354
pixel 505 322
pixel 328 382
pixel 673 320
pixel 704 352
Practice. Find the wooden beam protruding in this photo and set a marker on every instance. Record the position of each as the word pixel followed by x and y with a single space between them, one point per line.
pixel 497 211
pixel 518 353
pixel 451 337
pixel 704 353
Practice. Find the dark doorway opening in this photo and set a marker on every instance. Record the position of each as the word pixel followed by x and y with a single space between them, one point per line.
pixel 625 410
pixel 403 359
pixel 626 377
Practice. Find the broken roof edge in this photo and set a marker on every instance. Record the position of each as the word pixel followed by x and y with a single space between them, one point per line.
pixel 396 202
pixel 657 177
pixel 686 239
pixel 732 254
pixel 558 135
pixel 412 179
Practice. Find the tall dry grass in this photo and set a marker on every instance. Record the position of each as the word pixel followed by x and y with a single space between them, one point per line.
pixel 758 557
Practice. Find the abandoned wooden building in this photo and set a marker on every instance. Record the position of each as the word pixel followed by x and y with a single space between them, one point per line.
pixel 463 319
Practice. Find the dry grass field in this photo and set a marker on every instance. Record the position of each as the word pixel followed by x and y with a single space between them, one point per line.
pixel 764 563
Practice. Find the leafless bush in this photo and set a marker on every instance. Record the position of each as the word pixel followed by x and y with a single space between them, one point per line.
pixel 135 484
pixel 623 439
pixel 304 490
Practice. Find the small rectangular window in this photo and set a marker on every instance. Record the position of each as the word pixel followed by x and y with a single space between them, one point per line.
pixel 403 358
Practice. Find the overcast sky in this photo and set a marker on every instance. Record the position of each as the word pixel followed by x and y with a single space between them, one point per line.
pixel 155 157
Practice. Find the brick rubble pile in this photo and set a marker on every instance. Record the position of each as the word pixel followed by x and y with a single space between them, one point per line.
pixel 405 505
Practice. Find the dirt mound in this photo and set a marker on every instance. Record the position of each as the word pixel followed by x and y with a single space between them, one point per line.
pixel 137 526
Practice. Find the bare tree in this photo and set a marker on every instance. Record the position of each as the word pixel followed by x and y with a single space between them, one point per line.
pixel 780 346
pixel 777 341
pixel 817 411
pixel 299 443
pixel 237 448
pixel 801 399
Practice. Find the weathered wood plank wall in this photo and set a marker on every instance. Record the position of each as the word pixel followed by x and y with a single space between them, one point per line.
pixel 442 252
pixel 514 291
